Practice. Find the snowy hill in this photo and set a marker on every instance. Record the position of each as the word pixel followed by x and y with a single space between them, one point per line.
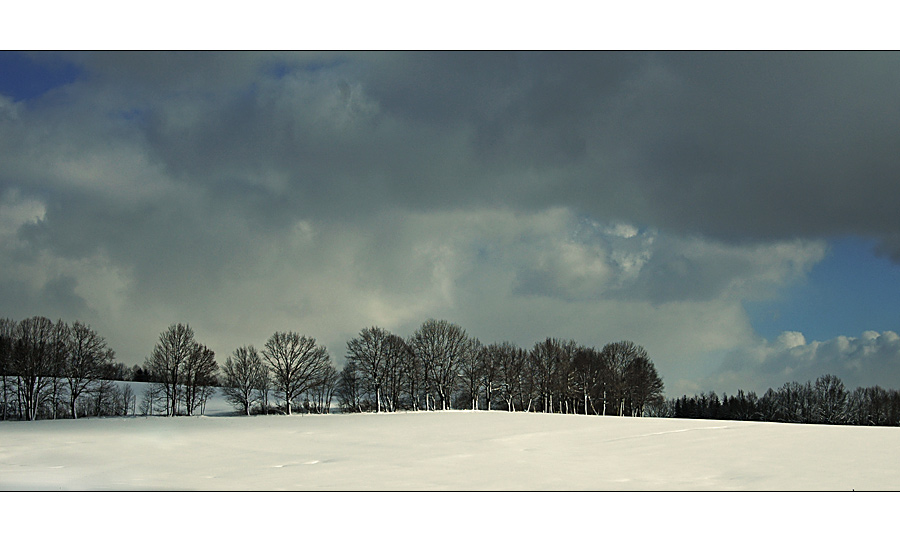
pixel 457 450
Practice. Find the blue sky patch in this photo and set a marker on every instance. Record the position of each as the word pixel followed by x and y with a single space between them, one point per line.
pixel 852 290
pixel 23 77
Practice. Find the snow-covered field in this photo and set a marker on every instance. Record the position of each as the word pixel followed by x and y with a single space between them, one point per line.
pixel 456 450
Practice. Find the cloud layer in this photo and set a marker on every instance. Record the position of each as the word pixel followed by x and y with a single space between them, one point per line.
pixel 593 196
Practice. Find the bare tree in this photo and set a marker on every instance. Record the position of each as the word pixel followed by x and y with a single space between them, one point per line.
pixel 489 358
pixel 830 400
pixel 296 364
pixel 7 340
pixel 399 358
pixel 153 393
pixel 470 370
pixel 206 391
pixel 32 362
pixel 199 377
pixel 644 385
pixel 587 368
pixel 87 353
pixel 128 400
pixel 322 392
pixel 349 387
pixel 243 374
pixel 791 403
pixel 59 352
pixel 441 346
pixel 412 375
pixel 265 384
pixel 511 360
pixel 167 362
pixel 107 398
pixel 552 359
pixel 370 352
pixel 617 357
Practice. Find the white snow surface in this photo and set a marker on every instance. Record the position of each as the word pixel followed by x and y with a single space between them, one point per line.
pixel 453 450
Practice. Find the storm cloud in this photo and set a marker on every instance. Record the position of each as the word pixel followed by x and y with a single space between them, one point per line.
pixel 597 196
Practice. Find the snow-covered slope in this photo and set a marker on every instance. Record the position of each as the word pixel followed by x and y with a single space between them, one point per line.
pixel 458 450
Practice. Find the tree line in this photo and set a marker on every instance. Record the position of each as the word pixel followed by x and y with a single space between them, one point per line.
pixel 825 401
pixel 55 369
pixel 52 370
pixel 441 367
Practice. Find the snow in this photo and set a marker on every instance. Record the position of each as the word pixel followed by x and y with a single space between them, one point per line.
pixel 454 450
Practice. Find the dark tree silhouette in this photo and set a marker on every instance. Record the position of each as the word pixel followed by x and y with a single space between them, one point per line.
pixel 490 362
pixel 199 377
pixel 243 374
pixel 618 357
pixel 511 366
pixel 32 362
pixel 399 359
pixel 643 384
pixel 442 346
pixel 349 388
pixel 552 360
pixel 412 374
pixel 321 394
pixel 88 353
pixel 59 353
pixel 588 370
pixel 7 334
pixel 470 371
pixel 296 364
pixel 371 353
pixel 167 361
pixel 830 400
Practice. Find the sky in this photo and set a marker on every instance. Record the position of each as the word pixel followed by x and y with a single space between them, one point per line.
pixel 735 213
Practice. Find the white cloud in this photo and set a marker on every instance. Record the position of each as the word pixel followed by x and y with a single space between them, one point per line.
pixel 788 340
pixel 871 359
pixel 621 229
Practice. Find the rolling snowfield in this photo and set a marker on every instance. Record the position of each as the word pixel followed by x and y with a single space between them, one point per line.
pixel 454 450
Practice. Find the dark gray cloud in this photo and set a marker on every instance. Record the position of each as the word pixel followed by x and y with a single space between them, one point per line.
pixel 727 145
pixel 56 296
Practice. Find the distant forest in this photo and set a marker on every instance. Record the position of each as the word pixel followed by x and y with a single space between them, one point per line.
pixel 825 401
pixel 54 370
